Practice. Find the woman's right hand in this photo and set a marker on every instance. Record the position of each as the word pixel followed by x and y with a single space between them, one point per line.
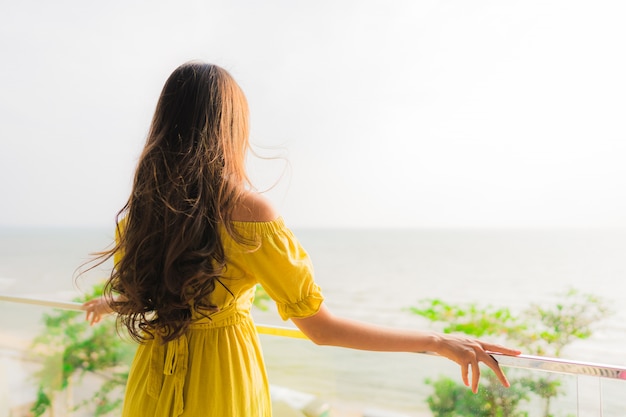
pixel 96 309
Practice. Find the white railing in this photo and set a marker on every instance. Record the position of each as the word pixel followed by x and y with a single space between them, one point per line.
pixel 590 376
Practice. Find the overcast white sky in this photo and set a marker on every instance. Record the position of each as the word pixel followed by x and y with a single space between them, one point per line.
pixel 390 113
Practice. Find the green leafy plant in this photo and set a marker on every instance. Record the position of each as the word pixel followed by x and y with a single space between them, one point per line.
pixel 452 399
pixel 70 349
pixel 537 330
pixel 261 298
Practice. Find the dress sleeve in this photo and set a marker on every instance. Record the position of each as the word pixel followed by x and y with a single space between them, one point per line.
pixel 285 271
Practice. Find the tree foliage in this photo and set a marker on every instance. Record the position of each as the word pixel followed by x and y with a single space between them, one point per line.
pixel 537 330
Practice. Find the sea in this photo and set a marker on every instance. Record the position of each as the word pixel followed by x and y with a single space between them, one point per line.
pixel 373 275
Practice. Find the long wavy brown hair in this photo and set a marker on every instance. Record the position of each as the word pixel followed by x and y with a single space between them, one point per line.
pixel 190 176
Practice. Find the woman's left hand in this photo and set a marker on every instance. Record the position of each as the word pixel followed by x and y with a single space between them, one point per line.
pixel 468 352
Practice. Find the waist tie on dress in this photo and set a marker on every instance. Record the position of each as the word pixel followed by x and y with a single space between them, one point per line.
pixel 172 358
pixel 169 359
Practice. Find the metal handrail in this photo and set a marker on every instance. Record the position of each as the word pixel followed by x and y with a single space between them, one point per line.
pixel 530 362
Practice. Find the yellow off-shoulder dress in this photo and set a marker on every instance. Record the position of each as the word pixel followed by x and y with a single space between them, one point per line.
pixel 216 369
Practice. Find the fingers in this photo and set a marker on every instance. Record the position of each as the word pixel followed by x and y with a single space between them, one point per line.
pixel 480 353
pixel 475 376
pixel 492 363
pixel 95 318
pixel 92 317
pixel 91 311
pixel 473 363
pixel 464 374
pixel 500 349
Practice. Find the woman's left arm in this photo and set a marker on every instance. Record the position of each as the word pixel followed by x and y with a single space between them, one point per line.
pixel 324 328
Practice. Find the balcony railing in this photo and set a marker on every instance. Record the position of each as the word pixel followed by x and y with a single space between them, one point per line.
pixel 329 381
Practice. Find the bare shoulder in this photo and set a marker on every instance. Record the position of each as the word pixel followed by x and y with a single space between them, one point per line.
pixel 253 207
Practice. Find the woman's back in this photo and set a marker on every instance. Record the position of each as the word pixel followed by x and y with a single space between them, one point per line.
pixel 216 366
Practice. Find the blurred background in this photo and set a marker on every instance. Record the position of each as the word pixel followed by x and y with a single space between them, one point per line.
pixel 401 114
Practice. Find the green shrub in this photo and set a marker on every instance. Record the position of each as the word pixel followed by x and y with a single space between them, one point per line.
pixel 537 331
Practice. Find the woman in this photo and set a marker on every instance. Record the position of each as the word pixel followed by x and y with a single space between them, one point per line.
pixel 192 244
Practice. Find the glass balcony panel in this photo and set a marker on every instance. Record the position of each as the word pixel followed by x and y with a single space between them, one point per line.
pixel 390 384
pixel 612 398
pixel 307 380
